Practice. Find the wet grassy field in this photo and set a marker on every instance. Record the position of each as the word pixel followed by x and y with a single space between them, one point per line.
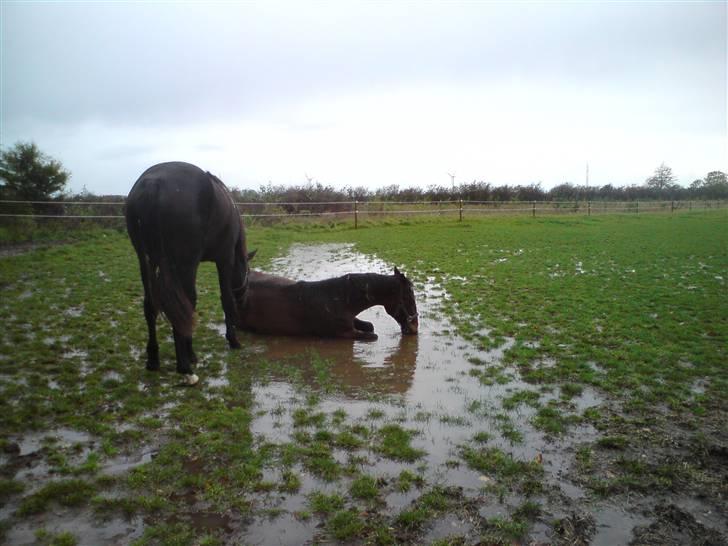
pixel 569 385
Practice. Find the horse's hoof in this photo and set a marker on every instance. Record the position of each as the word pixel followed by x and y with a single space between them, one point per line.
pixel 191 379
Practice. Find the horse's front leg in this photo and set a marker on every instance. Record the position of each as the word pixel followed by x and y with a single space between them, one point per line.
pixel 365 336
pixel 363 325
pixel 225 277
pixel 360 335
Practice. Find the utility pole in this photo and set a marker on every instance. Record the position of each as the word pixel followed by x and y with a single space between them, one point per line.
pixel 586 197
pixel 452 181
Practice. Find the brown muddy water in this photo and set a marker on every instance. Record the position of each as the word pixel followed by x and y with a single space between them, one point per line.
pixel 422 382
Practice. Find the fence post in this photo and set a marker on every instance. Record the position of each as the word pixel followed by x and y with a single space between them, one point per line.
pixel 461 210
pixel 638 207
pixel 356 214
pixel 588 208
pixel 672 206
pixel 533 209
pixel 690 205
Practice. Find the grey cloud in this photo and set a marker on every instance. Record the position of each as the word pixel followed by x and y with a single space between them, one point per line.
pixel 123 152
pixel 178 63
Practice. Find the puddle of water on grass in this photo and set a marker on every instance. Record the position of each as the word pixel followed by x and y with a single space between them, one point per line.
pixel 112 376
pixel 283 530
pixel 614 526
pixel 74 312
pixel 589 398
pixel 426 386
pixel 25 295
pixel 34 441
pixel 447 526
pixel 75 353
pixel 88 530
pixel 123 463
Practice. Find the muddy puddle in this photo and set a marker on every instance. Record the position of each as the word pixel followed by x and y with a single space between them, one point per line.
pixel 423 383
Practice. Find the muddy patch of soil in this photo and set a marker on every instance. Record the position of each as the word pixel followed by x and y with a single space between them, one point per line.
pixel 675 527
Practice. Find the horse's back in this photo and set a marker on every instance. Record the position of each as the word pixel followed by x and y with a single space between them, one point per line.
pixel 271 305
pixel 278 305
pixel 188 208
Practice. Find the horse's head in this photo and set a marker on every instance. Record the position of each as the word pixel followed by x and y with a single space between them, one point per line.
pixel 403 307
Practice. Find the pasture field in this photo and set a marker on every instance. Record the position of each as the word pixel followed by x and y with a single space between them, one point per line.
pixel 569 385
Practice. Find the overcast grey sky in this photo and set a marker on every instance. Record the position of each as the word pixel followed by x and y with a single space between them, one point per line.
pixel 369 93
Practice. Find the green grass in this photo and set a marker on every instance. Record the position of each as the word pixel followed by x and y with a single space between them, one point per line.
pixel 325 504
pixel 364 488
pixel 64 492
pixel 395 443
pixel 640 297
pixel 630 308
pixel 345 525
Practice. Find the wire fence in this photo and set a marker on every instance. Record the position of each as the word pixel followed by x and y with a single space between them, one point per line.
pixel 269 213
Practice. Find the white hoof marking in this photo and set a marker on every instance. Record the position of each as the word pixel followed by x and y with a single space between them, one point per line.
pixel 191 379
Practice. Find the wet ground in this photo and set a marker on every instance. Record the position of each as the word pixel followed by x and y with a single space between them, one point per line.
pixel 424 383
pixel 427 378
pixel 429 387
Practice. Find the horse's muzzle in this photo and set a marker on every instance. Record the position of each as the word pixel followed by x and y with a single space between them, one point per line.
pixel 410 326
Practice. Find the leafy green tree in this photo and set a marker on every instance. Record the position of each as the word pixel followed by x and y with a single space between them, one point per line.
pixel 715 185
pixel 28 174
pixel 716 178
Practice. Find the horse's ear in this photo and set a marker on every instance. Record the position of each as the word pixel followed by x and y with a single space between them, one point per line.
pixel 397 273
pixel 251 254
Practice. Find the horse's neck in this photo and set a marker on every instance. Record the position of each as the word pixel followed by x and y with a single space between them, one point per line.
pixel 374 290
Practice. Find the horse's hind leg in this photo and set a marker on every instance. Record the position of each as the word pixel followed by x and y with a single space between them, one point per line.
pixel 183 342
pixel 225 277
pixel 183 350
pixel 363 325
pixel 193 356
pixel 150 314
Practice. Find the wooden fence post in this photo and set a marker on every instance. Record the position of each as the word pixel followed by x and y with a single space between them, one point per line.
pixel 638 208
pixel 672 206
pixel 588 208
pixel 533 210
pixel 356 214
pixel 461 210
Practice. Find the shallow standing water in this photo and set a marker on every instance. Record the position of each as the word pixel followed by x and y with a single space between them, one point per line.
pixel 427 387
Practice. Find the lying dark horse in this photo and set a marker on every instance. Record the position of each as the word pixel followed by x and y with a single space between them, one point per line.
pixel 328 308
pixel 177 216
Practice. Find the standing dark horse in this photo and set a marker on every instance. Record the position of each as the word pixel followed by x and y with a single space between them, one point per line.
pixel 328 308
pixel 177 216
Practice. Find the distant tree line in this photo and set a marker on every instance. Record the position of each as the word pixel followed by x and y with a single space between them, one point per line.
pixel 661 186
pixel 29 175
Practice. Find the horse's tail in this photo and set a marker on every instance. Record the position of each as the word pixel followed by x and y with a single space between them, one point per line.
pixel 161 281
